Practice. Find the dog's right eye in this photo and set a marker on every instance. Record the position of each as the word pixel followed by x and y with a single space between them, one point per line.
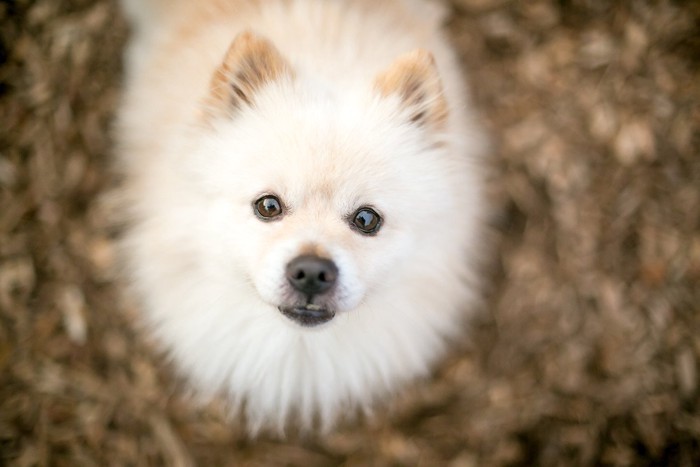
pixel 268 207
pixel 366 220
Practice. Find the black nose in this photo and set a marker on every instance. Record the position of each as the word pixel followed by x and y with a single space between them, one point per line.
pixel 311 275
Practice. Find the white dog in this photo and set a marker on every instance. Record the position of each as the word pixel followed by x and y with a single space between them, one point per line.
pixel 304 195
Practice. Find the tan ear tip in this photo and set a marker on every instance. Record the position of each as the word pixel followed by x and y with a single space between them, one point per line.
pixel 246 38
pixel 417 59
pixel 251 37
pixel 422 56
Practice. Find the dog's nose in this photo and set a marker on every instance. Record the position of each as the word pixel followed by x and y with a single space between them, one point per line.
pixel 311 275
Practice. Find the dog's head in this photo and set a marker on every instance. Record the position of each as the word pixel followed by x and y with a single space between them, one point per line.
pixel 325 195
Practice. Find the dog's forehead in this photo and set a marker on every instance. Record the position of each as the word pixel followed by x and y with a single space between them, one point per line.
pixel 319 153
pixel 327 167
pixel 326 192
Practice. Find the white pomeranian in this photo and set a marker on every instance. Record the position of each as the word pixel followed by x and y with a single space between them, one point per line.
pixel 304 197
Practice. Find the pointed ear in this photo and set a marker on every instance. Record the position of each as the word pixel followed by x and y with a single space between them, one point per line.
pixel 414 78
pixel 250 62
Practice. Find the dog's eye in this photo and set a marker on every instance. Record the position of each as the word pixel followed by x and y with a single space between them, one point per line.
pixel 366 220
pixel 268 207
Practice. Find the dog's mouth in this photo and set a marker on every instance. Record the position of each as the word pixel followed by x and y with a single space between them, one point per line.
pixel 308 315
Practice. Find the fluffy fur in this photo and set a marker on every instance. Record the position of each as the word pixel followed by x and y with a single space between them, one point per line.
pixel 330 105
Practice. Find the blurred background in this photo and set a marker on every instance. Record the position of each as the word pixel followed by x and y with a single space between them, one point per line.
pixel 586 351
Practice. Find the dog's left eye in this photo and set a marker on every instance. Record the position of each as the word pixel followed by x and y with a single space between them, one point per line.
pixel 367 221
pixel 268 207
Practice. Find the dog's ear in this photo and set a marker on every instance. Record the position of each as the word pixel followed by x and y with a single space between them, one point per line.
pixel 414 78
pixel 250 63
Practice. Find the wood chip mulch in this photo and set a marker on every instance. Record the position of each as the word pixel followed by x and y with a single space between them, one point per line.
pixel 587 351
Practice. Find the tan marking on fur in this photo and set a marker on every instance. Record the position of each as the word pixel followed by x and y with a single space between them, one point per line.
pixel 250 62
pixel 313 249
pixel 414 77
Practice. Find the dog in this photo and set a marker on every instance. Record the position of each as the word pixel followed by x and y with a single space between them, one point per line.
pixel 302 181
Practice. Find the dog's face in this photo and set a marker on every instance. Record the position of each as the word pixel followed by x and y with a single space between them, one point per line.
pixel 321 198
pixel 322 203
pixel 319 227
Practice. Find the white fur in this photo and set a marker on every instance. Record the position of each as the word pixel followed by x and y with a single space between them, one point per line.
pixel 210 275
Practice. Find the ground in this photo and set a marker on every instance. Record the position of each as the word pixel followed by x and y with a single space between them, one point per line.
pixel 585 352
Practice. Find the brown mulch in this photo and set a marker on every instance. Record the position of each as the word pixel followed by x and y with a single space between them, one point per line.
pixel 587 351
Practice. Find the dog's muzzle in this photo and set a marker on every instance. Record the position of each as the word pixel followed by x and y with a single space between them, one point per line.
pixel 311 276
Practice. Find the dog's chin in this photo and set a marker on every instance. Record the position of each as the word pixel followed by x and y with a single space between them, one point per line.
pixel 308 315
